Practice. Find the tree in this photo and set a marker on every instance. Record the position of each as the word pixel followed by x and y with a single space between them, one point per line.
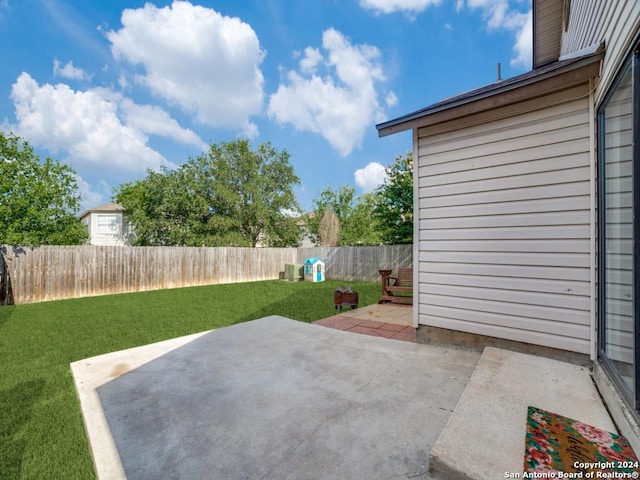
pixel 166 208
pixel 39 200
pixel 252 193
pixel 354 216
pixel 393 210
pixel 362 230
pixel 231 195
pixel 329 228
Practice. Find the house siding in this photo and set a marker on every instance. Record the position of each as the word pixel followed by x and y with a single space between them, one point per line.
pixel 592 22
pixel 548 23
pixel 583 29
pixel 504 234
pixel 97 238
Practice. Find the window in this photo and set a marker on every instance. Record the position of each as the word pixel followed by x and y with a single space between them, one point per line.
pixel 107 223
pixel 619 232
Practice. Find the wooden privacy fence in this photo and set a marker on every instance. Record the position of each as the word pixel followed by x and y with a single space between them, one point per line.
pixel 359 263
pixel 39 274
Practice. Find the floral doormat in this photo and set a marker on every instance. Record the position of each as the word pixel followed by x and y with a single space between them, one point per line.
pixel 561 447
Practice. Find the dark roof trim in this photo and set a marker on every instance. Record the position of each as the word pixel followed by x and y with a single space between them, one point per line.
pixel 552 77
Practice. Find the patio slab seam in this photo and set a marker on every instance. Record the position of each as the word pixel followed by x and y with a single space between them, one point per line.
pixel 492 412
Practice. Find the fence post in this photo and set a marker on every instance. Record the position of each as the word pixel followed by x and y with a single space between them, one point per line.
pixel 6 295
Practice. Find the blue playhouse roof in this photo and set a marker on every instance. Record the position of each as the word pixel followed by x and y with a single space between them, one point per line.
pixel 311 261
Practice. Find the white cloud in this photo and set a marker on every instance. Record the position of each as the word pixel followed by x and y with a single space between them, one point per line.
pixel 250 130
pixel 340 105
pixel 86 125
pixel 390 6
pixel 391 99
pixel 370 177
pixel 156 121
pixel 123 82
pixel 69 71
pixel 89 197
pixel 524 44
pixel 493 11
pixel 312 58
pixel 196 58
pixel 499 15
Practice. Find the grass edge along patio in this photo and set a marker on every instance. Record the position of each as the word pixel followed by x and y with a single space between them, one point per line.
pixel 41 430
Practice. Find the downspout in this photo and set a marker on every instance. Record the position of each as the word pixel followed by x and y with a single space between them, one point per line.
pixel 416 230
pixel 593 214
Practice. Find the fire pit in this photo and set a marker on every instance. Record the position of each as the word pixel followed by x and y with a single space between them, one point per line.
pixel 344 297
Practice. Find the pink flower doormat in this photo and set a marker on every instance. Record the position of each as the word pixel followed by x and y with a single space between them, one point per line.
pixel 559 447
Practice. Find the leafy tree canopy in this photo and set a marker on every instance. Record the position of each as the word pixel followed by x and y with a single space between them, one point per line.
pixel 39 200
pixel 354 216
pixel 231 195
pixel 393 210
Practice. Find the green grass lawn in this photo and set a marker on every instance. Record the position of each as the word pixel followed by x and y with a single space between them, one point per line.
pixel 41 431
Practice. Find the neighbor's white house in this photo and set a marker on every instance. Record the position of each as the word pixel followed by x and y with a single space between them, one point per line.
pixel 526 232
pixel 106 225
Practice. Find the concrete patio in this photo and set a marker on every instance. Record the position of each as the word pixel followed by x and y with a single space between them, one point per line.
pixel 277 399
pixel 269 399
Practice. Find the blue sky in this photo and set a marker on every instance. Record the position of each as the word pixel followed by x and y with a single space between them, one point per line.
pixel 114 87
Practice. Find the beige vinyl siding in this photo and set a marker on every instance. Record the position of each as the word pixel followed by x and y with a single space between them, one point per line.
pixel 587 21
pixel 614 22
pixel 504 230
pixel 548 23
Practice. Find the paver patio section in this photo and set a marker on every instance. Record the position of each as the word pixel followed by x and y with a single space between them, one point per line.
pixel 270 399
pixel 380 320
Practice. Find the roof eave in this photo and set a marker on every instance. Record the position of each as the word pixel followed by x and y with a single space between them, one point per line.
pixel 553 79
pixel 109 207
